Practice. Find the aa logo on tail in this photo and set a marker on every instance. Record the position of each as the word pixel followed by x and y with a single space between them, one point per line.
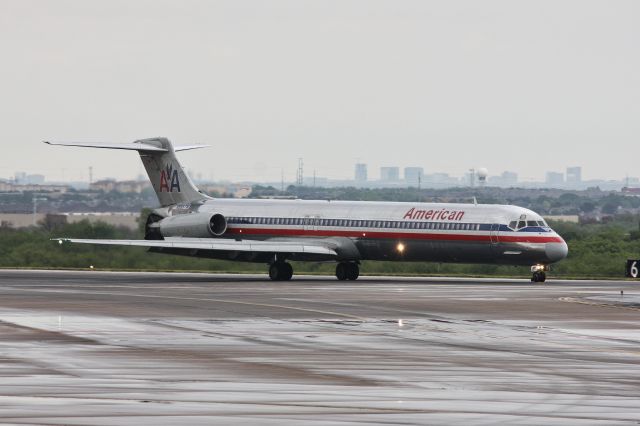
pixel 169 180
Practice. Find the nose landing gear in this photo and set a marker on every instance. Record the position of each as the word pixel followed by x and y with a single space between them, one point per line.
pixel 539 273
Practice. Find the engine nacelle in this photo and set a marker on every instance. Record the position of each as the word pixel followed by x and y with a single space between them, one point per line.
pixel 194 225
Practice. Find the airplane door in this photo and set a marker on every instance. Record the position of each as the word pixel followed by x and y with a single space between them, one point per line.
pixel 494 233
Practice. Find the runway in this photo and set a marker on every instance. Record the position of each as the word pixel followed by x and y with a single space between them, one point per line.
pixel 101 348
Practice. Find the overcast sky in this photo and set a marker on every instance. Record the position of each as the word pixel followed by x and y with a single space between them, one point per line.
pixel 446 85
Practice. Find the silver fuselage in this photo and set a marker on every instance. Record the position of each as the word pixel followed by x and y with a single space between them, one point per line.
pixel 430 232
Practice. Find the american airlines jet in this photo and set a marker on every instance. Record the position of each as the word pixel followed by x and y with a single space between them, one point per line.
pixel 191 223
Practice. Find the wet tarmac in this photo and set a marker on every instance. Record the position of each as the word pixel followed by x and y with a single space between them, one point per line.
pixel 100 348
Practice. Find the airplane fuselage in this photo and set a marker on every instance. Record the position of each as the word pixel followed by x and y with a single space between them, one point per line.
pixel 434 232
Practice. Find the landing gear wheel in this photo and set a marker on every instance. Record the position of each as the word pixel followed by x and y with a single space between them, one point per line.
pixel 347 271
pixel 287 272
pixel 539 277
pixel 353 271
pixel 280 271
pixel 341 271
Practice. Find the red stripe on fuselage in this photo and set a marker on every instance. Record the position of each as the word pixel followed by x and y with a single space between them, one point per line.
pixel 279 232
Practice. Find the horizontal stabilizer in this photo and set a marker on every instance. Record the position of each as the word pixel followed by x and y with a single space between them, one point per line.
pixel 129 146
pixel 168 178
pixel 188 147
pixel 136 146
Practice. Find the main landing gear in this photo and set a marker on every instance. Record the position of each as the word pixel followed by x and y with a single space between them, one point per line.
pixel 280 271
pixel 539 273
pixel 347 271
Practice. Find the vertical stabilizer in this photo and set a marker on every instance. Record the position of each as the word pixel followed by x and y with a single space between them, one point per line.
pixel 168 178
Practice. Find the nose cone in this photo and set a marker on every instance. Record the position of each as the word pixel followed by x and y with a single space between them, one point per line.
pixel 556 251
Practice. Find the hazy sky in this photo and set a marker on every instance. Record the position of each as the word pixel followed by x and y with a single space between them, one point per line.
pixel 447 85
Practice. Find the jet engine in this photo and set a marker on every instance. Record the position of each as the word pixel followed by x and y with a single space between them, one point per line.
pixel 194 225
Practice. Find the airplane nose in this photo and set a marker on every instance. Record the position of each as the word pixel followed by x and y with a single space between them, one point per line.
pixel 556 251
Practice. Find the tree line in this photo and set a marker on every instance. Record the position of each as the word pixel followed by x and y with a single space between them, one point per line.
pixel 595 250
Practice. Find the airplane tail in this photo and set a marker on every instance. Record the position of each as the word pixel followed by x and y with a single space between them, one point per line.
pixel 167 176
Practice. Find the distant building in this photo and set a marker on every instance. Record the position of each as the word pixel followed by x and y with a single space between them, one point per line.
pixel 555 178
pixel 574 175
pixel 126 186
pixel 12 187
pixel 21 178
pixel 509 178
pixel 361 172
pixel 506 180
pixel 413 176
pixel 389 174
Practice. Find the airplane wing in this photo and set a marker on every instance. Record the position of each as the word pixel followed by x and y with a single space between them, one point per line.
pixel 215 245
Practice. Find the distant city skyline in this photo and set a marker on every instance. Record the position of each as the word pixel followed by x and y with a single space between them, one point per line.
pixel 447 86
pixel 414 176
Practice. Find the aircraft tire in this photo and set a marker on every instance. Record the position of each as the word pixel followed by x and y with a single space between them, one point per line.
pixel 274 272
pixel 539 277
pixel 353 271
pixel 341 271
pixel 280 271
pixel 286 272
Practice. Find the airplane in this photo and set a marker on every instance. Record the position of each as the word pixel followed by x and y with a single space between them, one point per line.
pixel 191 223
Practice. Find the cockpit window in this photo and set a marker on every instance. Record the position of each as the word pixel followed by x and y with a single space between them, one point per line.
pixel 513 224
pixel 522 224
pixel 533 223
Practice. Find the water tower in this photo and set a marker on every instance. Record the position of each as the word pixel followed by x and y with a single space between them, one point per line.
pixel 482 176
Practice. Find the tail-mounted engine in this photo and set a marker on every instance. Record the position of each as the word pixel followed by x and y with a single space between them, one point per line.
pixel 193 225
